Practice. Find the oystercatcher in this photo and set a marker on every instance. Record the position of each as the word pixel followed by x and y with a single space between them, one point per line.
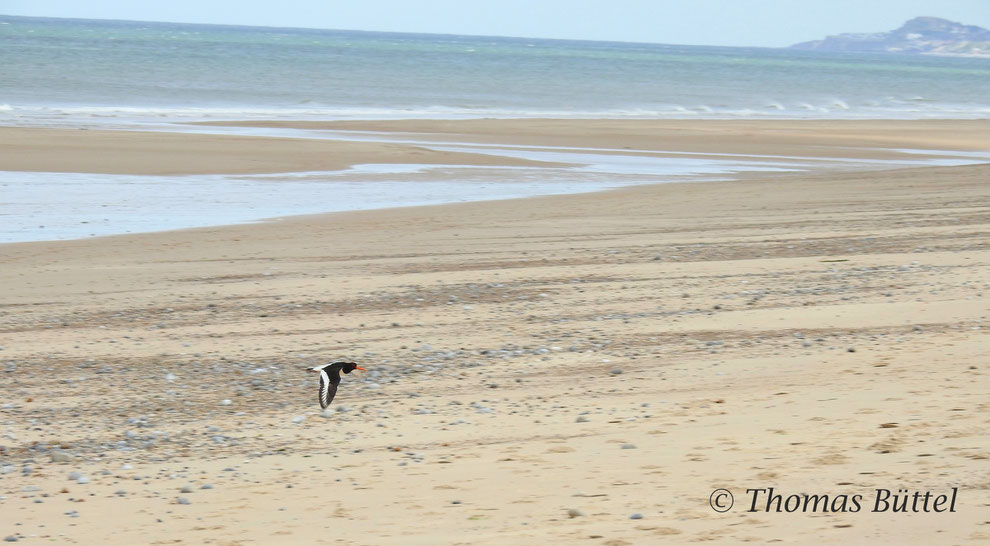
pixel 330 378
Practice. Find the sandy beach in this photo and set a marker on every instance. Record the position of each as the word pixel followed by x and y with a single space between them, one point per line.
pixel 580 369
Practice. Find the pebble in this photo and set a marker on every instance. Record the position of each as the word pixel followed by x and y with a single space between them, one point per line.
pixel 637 515
pixel 82 480
pixel 225 402
pixel 581 419
pixel 186 489
pixel 574 512
pixel 183 500
pixel 206 486
pixel 628 446
pixel 616 372
pixel 74 475
pixel 72 514
pixel 11 538
pixel 298 419
pixel 59 456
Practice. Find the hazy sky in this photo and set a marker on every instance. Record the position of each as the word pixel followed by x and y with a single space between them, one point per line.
pixel 770 23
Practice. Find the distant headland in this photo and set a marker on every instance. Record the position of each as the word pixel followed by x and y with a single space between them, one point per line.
pixel 921 35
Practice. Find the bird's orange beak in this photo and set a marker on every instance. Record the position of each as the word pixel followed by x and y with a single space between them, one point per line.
pixel 360 368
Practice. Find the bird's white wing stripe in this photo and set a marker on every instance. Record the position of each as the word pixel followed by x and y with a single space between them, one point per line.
pixel 324 389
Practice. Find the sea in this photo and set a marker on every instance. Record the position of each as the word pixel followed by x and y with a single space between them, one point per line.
pixel 155 76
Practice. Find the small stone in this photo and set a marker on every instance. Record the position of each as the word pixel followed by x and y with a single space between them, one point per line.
pixel 206 486
pixel 636 516
pixel 225 402
pixel 82 480
pixel 581 419
pixel 327 413
pixel 11 538
pixel 59 456
pixel 298 419
pixel 851 350
pixel 455 502
pixel 186 489
pixel 574 513
pixel 183 500
pixel 615 372
pixel 73 476
pixel 628 446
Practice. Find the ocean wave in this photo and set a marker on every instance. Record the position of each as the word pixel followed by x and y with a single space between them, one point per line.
pixel 830 108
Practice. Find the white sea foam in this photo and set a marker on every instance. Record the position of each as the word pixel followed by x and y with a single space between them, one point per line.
pixel 119 116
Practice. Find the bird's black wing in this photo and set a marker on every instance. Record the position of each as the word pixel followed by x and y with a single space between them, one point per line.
pixel 328 387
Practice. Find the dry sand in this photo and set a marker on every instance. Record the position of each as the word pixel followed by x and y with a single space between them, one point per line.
pixel 542 370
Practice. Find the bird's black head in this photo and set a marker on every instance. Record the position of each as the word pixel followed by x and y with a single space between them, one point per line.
pixel 349 367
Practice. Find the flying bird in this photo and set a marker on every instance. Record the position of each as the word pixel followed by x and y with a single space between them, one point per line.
pixel 330 378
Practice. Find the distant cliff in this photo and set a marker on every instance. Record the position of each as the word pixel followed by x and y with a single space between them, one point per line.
pixel 927 35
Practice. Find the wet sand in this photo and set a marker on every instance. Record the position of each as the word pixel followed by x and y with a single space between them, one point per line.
pixel 579 369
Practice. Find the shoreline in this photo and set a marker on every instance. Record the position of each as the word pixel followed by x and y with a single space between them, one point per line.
pixel 158 151
pixel 118 182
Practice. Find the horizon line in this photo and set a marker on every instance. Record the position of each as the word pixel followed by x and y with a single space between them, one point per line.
pixel 233 25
